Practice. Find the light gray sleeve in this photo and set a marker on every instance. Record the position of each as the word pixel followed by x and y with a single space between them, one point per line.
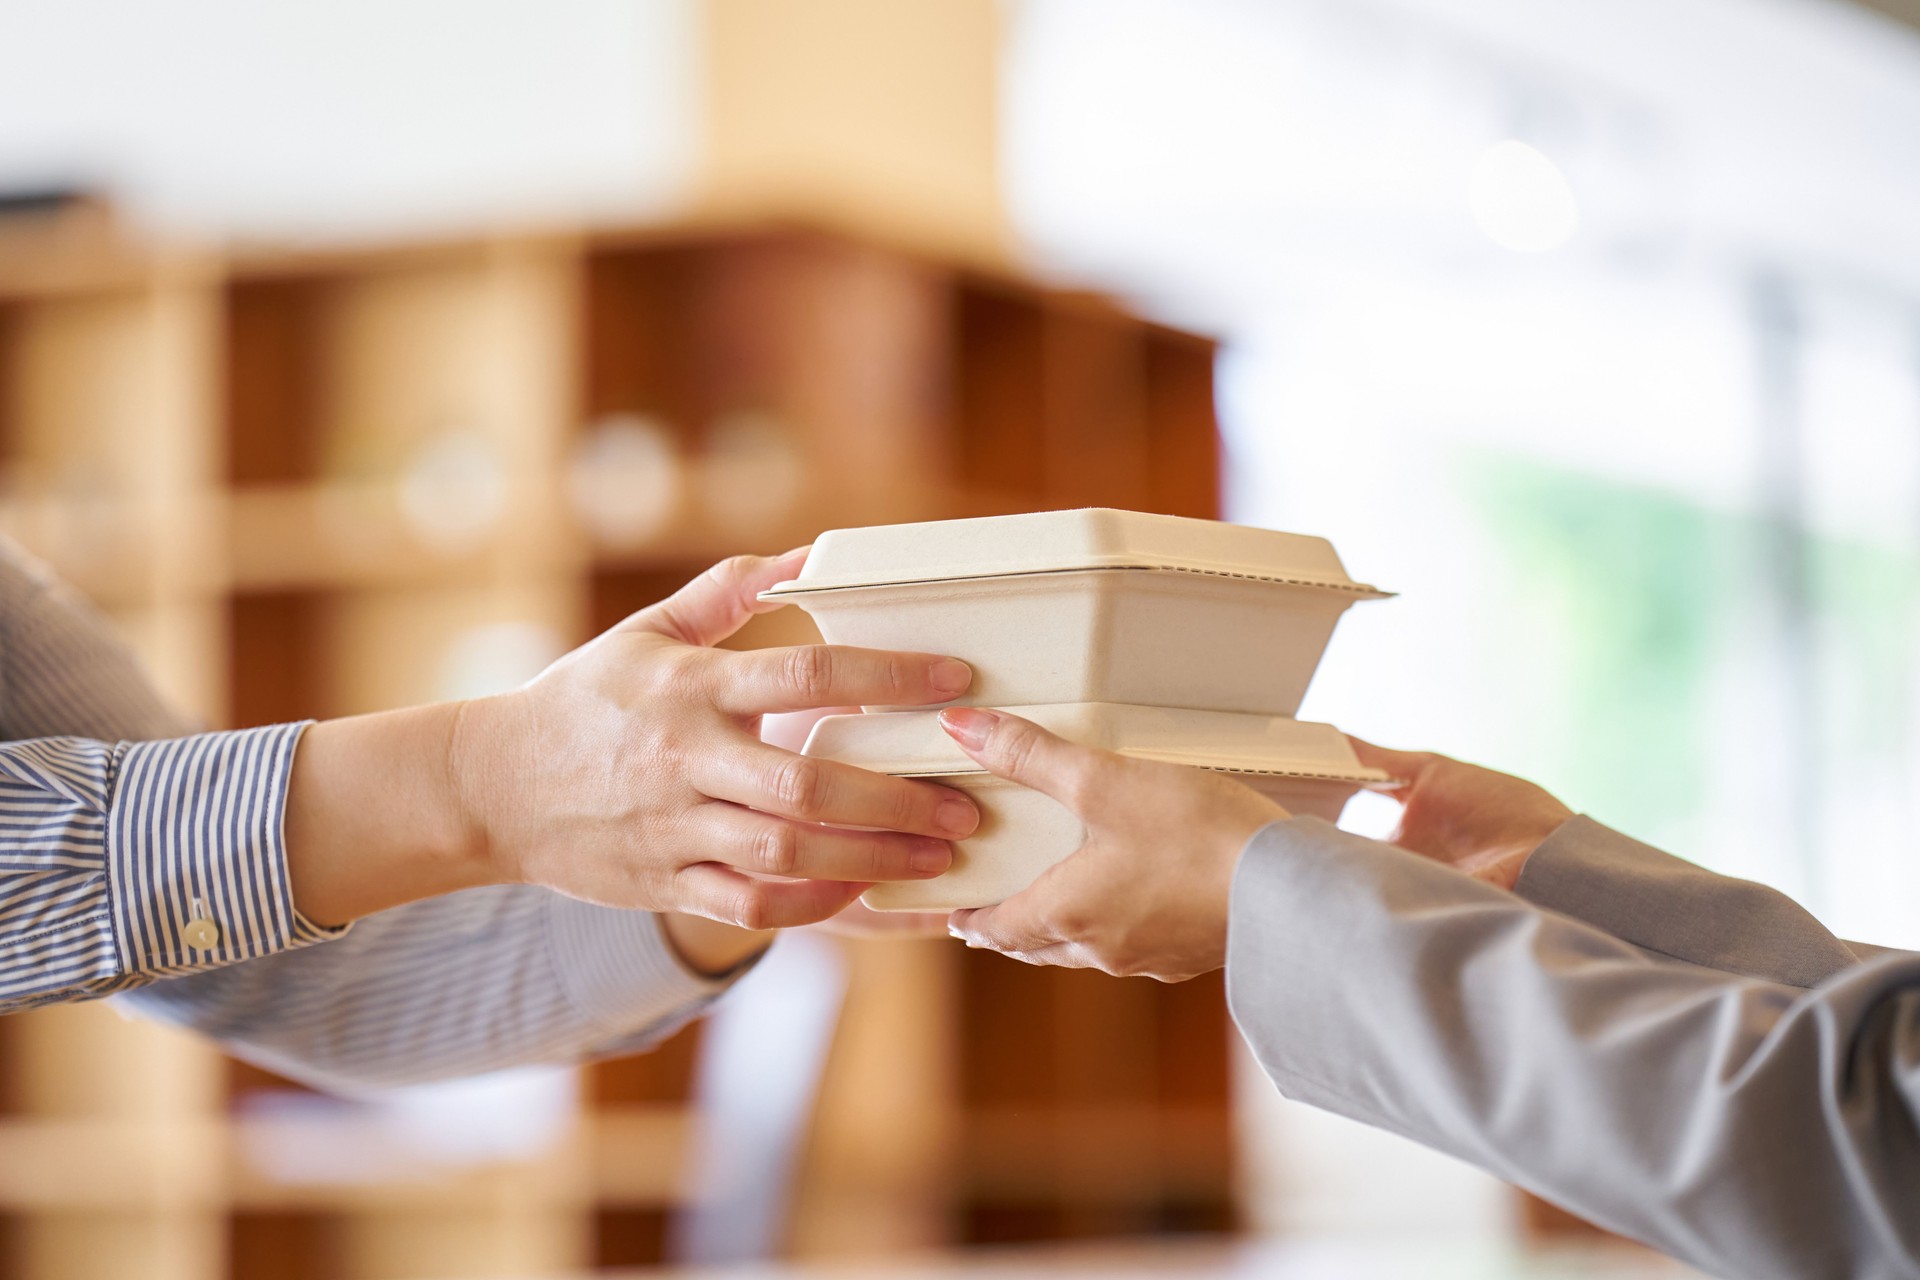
pixel 1669 906
pixel 1752 1128
pixel 472 982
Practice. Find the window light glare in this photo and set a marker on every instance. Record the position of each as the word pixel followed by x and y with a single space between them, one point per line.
pixel 1521 200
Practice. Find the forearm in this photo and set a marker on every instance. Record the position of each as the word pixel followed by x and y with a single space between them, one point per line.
pixel 384 839
pixel 1671 907
pixel 123 863
pixel 476 981
pixel 1752 1128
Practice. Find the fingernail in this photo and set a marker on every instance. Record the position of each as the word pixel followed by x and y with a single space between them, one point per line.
pixel 950 675
pixel 953 931
pixel 957 817
pixel 969 726
pixel 931 857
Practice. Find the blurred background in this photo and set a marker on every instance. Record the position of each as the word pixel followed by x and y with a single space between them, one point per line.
pixel 358 354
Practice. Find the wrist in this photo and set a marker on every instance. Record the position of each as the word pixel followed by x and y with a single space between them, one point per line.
pixel 479 782
pixel 371 820
pixel 1502 866
pixel 709 948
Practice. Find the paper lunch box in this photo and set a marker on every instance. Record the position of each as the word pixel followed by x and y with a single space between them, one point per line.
pixel 1089 606
pixel 1306 768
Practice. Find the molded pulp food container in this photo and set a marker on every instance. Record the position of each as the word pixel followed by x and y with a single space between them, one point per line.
pixel 1306 768
pixel 1089 606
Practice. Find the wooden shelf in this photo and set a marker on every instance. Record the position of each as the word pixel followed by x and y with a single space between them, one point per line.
pixel 316 483
pixel 628 1155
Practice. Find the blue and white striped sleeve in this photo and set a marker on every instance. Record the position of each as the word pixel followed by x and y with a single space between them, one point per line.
pixel 125 862
pixel 476 981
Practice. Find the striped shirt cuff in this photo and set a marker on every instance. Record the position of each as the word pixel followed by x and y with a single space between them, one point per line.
pixel 619 971
pixel 197 856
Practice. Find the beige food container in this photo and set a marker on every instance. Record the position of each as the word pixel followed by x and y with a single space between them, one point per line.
pixel 1306 768
pixel 1089 606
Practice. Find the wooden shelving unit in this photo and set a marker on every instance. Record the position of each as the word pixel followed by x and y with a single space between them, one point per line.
pixel 317 484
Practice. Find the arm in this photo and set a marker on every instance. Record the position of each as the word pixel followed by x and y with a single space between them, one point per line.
pixel 614 979
pixel 122 864
pixel 589 979
pixel 1514 835
pixel 1671 907
pixel 1754 1128
pixel 106 846
pixel 1757 1128
pixel 476 981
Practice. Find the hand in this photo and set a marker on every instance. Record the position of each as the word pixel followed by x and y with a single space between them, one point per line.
pixel 856 919
pixel 1484 823
pixel 1147 891
pixel 630 773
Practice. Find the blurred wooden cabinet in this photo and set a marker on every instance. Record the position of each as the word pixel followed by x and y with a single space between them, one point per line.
pixel 318 484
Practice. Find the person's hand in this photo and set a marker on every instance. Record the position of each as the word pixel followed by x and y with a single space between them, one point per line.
pixel 1147 892
pixel 856 919
pixel 630 773
pixel 1484 823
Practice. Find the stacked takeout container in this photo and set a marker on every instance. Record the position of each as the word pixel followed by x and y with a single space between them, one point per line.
pixel 1187 641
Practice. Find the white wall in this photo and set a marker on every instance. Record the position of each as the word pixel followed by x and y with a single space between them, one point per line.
pixel 351 116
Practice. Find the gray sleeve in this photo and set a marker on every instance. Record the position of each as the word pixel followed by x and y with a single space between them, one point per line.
pixel 472 982
pixel 1752 1128
pixel 1671 907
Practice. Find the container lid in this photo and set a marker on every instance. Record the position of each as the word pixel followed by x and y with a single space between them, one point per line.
pixel 1063 541
pixel 912 743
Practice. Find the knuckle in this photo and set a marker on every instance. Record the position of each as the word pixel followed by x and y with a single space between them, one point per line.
pixel 1067 922
pixel 732 570
pixel 776 849
pixel 750 907
pixel 809 672
pixel 800 786
pixel 680 672
pixel 901 678
pixel 1016 745
pixel 907 806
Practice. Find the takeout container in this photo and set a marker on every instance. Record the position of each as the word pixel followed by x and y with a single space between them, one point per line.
pixel 1089 606
pixel 1306 768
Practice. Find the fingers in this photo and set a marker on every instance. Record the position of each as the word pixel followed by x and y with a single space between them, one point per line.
pixel 824 675
pixel 808 789
pixel 718 602
pixel 766 845
pixel 1023 752
pixel 721 893
pixel 1402 766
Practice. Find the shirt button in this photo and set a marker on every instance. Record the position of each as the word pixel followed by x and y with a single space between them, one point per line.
pixel 201 935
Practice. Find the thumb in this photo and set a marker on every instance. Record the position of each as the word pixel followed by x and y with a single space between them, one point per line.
pixel 1021 751
pixel 718 602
